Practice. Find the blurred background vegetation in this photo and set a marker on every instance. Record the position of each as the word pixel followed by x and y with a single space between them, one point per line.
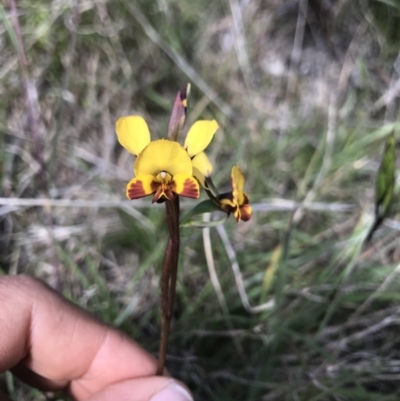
pixel 305 93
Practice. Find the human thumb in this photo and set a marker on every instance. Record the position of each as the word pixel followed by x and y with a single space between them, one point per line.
pixel 155 388
pixel 173 391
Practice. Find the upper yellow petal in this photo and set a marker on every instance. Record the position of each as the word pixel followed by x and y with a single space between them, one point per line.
pixel 199 136
pixel 163 155
pixel 202 167
pixel 133 133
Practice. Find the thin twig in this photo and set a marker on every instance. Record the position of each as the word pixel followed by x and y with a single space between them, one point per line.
pixel 274 204
pixel 75 15
pixel 31 97
pixel 297 45
pixel 367 303
pixel 238 276
pixel 14 205
pixel 240 41
pixel 292 76
pixel 312 194
pixel 360 335
pixel 211 265
pixel 215 282
pixel 326 162
pixel 32 126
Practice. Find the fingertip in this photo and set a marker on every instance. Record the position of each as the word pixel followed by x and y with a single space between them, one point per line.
pixel 154 388
pixel 173 391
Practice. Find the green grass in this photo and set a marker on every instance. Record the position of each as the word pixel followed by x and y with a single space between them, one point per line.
pixel 310 131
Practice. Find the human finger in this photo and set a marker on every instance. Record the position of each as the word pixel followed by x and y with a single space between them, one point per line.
pixel 53 344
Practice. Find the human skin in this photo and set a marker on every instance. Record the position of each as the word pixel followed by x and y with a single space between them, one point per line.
pixel 52 344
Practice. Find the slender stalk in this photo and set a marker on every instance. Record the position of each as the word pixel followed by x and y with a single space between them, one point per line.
pixel 166 318
pixel 168 278
pixel 175 253
pixel 31 98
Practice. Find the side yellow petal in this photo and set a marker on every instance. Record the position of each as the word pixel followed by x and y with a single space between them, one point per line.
pixel 202 167
pixel 199 136
pixel 163 155
pixel 237 184
pixel 185 185
pixel 141 186
pixel 133 133
pixel 227 204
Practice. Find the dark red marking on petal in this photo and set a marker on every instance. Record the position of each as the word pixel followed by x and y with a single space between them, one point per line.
pixel 163 192
pixel 136 190
pixel 169 194
pixel 190 189
pixel 157 195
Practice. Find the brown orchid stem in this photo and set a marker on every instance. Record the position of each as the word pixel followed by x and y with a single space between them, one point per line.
pixel 168 278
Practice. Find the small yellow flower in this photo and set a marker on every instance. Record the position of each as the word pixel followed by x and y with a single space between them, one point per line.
pixel 163 167
pixel 237 201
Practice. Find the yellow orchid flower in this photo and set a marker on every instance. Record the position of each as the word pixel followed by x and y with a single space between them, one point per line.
pixel 237 201
pixel 164 168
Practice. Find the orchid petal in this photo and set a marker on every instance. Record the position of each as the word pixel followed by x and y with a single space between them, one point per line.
pixel 163 155
pixel 141 186
pixel 200 136
pixel 185 185
pixel 133 133
pixel 202 168
pixel 238 185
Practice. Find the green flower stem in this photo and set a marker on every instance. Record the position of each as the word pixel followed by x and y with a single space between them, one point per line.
pixel 168 278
